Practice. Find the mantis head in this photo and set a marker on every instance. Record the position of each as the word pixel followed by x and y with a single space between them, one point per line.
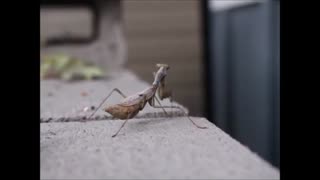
pixel 162 73
pixel 166 66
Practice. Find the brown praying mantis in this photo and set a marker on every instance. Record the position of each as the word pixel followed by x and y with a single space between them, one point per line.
pixel 130 106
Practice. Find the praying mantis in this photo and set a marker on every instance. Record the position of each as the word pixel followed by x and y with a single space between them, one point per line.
pixel 130 106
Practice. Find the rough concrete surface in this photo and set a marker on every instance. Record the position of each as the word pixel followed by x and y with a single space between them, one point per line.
pixel 150 146
pixel 165 148
pixel 62 101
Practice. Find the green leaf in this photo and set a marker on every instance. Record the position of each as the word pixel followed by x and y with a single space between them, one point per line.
pixel 67 75
pixel 92 72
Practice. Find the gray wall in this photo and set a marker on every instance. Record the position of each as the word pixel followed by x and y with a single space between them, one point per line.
pixel 245 68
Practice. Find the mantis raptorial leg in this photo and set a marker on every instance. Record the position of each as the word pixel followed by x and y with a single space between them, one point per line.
pixel 114 90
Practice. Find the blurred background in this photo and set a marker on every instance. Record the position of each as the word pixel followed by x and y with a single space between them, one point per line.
pixel 224 54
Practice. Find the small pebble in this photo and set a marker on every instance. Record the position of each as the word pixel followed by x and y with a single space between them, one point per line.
pixel 85 109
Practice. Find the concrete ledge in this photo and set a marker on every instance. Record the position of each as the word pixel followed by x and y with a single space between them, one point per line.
pixel 146 149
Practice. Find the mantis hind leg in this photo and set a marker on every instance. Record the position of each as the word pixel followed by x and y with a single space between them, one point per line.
pixel 114 90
